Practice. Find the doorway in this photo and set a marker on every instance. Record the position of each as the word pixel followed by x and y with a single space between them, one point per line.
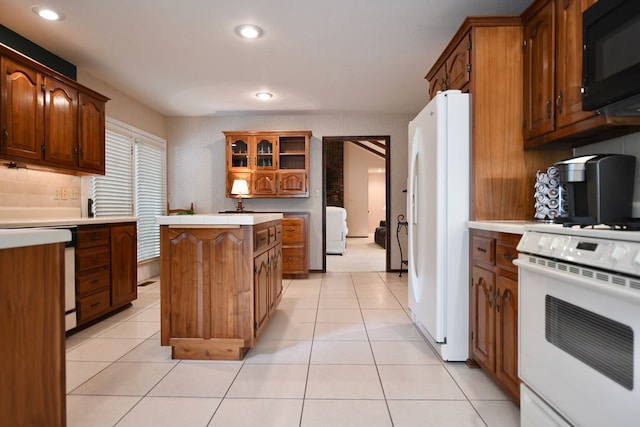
pixel 333 192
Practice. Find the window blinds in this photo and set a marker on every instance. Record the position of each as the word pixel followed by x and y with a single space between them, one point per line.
pixel 112 193
pixel 133 184
pixel 149 196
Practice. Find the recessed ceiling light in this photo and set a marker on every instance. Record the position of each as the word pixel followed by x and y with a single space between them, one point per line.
pixel 47 13
pixel 264 95
pixel 249 31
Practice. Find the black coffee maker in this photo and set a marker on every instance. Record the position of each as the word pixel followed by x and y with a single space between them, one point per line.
pixel 596 189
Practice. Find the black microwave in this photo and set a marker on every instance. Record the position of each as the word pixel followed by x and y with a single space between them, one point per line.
pixel 611 57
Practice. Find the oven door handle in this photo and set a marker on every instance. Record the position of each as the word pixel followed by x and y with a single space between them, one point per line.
pixel 616 291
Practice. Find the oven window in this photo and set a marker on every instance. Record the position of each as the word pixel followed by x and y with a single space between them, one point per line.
pixel 603 344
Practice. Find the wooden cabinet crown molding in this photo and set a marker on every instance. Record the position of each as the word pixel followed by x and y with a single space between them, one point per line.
pixel 8 52
pixel 267 133
pixel 469 23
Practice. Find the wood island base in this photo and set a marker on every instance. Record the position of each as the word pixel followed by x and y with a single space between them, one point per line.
pixel 219 285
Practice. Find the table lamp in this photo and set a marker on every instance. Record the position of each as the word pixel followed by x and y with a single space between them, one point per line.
pixel 239 187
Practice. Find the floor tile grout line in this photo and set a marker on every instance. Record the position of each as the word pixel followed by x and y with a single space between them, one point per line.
pixel 313 335
pixel 375 362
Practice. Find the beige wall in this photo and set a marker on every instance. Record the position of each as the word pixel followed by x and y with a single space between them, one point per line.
pixel 126 109
pixel 196 162
pixel 357 162
pixel 376 199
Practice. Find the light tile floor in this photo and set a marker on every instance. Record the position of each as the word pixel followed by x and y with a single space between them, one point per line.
pixel 340 351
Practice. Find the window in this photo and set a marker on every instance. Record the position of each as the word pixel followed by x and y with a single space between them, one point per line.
pixel 134 183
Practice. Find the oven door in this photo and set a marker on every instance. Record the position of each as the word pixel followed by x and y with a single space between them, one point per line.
pixel 576 342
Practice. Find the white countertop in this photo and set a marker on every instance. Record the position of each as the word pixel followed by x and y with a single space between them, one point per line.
pixel 513 227
pixel 24 223
pixel 16 238
pixel 218 219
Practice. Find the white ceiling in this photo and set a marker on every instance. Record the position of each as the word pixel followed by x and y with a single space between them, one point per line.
pixel 183 58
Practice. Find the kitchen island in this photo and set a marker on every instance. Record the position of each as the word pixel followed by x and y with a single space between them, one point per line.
pixel 32 372
pixel 220 282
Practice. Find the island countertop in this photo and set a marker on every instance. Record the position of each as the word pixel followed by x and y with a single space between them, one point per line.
pixel 219 219
pixel 16 238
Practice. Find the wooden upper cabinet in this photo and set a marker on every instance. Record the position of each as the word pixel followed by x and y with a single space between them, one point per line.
pixel 274 163
pixel 438 82
pixel 459 65
pixel 452 71
pixel 568 100
pixel 539 66
pixel 553 79
pixel 91 134
pixel 48 120
pixel 21 104
pixel 60 123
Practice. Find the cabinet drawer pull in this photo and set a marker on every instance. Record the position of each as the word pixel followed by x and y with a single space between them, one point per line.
pixel 94 305
pixel 483 250
pixel 291 230
pixel 508 257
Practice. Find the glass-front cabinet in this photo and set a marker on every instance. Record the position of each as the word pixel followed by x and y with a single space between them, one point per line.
pixel 274 163
pixel 266 152
pixel 238 150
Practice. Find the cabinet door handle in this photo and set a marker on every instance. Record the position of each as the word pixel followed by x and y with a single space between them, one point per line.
pixel 559 102
pixel 548 108
pixel 508 257
pixel 5 135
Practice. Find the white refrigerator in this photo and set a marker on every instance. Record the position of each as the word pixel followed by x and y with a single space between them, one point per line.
pixel 438 211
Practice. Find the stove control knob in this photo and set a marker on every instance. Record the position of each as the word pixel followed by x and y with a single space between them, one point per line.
pixel 618 253
pixel 556 244
pixel 542 242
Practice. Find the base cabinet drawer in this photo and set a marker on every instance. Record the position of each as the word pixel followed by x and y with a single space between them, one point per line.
pixel 293 260
pixel 91 282
pixel 92 236
pixel 93 306
pixel 295 247
pixel 293 230
pixel 106 269
pixel 92 258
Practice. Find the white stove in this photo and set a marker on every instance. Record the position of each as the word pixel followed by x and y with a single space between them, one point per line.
pixel 579 309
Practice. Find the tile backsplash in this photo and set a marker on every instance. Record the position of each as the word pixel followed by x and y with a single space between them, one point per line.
pixel 32 188
pixel 628 144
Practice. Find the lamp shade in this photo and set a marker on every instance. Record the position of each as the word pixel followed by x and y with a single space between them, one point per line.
pixel 239 187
